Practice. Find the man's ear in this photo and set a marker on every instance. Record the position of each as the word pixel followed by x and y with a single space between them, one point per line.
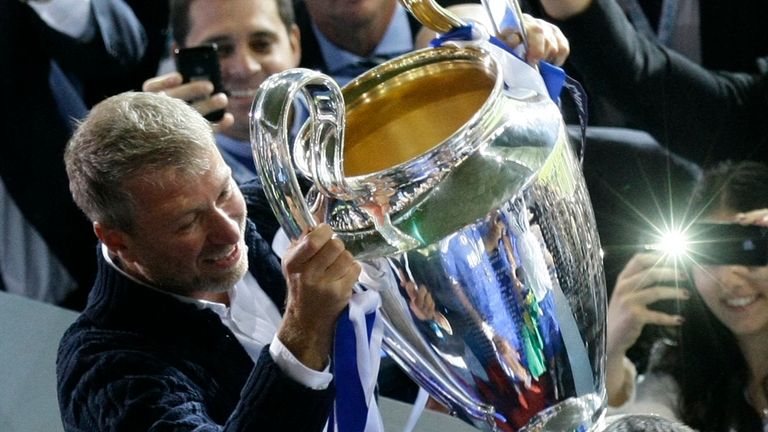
pixel 294 38
pixel 117 241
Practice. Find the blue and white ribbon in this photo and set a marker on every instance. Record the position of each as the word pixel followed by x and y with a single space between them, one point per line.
pixel 356 361
pixel 547 80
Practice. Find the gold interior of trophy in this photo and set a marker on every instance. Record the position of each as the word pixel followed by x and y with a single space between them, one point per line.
pixel 408 115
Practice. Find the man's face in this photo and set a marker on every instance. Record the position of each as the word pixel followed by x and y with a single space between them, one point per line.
pixel 351 13
pixel 253 44
pixel 189 230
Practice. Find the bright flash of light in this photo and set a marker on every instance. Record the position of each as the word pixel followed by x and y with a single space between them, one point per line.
pixel 673 244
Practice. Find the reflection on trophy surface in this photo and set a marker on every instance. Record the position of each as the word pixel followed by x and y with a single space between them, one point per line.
pixel 468 191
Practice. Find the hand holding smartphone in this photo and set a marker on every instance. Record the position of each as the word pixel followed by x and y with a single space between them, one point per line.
pixel 201 63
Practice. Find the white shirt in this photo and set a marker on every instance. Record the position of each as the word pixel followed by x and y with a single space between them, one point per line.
pixel 253 318
pixel 71 17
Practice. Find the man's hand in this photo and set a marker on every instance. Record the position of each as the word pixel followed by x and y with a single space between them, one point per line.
pixel 320 274
pixel 197 93
pixel 545 41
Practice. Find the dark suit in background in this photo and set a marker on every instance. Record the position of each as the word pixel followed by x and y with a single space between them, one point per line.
pixel 36 120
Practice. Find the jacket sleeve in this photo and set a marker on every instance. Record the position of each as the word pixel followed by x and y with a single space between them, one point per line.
pixel 694 111
pixel 131 390
pixel 117 42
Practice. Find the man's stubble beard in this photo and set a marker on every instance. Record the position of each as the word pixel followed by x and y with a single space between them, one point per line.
pixel 203 284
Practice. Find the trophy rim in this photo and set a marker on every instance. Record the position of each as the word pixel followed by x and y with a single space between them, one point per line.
pixel 458 142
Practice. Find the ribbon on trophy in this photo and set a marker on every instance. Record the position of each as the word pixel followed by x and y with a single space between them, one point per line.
pixel 551 77
pixel 554 78
pixel 356 358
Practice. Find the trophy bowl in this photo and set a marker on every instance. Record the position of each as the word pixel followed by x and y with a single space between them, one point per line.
pixel 454 177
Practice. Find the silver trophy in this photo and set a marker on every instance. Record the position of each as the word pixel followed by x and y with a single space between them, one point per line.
pixel 451 170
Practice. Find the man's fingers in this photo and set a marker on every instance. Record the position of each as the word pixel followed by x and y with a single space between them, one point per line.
pixel 162 82
pixel 640 262
pixel 410 289
pixel 171 84
pixel 225 123
pixel 192 91
pixel 216 102
pixel 754 217
pixel 339 268
pixel 198 93
pixel 560 55
pixel 545 41
pixel 307 246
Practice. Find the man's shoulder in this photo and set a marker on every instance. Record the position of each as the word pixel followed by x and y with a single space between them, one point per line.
pixel 89 345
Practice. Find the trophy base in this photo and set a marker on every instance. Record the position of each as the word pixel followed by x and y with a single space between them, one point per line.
pixel 578 414
pixel 642 423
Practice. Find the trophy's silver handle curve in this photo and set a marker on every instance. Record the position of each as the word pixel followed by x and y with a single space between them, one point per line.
pixel 432 15
pixel 270 120
pixel 507 15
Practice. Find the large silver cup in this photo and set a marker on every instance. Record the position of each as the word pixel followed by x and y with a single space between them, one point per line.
pixel 466 194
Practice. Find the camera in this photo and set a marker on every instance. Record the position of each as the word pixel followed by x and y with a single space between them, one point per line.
pixel 728 244
pixel 201 63
pixel 716 243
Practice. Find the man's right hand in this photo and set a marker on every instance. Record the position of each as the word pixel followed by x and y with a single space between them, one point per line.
pixel 320 274
pixel 197 93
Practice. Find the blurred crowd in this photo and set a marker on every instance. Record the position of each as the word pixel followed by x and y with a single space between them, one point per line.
pixel 677 101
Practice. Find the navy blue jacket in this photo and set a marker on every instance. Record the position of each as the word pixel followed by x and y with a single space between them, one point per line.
pixel 37 125
pixel 139 360
pixel 700 114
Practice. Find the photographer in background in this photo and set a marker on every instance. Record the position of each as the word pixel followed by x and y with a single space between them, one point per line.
pixel 713 375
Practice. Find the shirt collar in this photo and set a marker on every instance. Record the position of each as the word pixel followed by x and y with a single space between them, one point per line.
pixel 219 308
pixel 397 40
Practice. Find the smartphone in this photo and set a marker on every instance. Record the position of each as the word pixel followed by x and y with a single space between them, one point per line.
pixel 201 63
pixel 728 244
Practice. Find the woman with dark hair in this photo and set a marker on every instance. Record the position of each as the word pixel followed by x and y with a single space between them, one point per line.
pixel 713 375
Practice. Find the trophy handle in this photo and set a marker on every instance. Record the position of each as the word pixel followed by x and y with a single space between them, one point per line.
pixel 432 15
pixel 506 14
pixel 503 14
pixel 270 119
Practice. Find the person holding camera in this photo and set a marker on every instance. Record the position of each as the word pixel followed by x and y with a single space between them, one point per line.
pixel 713 374
pixel 254 39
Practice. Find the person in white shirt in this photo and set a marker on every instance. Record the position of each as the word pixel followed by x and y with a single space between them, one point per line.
pixel 179 332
